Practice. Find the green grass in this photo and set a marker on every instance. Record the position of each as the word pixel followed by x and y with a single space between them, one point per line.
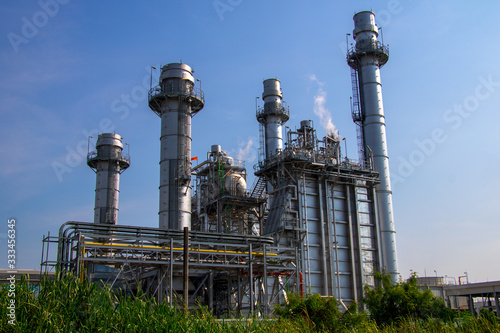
pixel 68 305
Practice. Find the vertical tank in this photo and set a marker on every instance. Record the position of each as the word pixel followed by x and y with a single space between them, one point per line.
pixel 108 162
pixel 272 116
pixel 366 58
pixel 175 100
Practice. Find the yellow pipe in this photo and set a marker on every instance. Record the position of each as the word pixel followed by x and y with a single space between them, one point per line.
pixel 178 248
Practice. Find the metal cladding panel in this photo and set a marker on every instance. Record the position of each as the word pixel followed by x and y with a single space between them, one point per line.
pixel 313 226
pixel 340 216
pixel 344 264
pixel 342 240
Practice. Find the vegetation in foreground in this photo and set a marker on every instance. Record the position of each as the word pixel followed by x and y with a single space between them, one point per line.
pixel 68 305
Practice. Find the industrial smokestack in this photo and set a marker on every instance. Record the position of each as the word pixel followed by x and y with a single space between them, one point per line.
pixel 108 162
pixel 368 56
pixel 272 116
pixel 175 101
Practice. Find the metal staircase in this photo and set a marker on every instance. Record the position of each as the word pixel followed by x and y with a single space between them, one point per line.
pixel 276 210
pixel 258 187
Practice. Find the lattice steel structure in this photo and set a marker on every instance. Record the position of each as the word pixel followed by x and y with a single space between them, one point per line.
pixel 226 272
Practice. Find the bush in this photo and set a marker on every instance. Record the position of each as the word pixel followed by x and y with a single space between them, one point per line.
pixel 394 301
pixel 322 313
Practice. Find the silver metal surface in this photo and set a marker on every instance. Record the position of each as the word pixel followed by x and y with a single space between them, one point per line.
pixel 175 100
pixel 273 115
pixel 366 58
pixel 108 162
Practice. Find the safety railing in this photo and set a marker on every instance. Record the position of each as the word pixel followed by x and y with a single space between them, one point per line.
pixel 122 157
pixel 194 92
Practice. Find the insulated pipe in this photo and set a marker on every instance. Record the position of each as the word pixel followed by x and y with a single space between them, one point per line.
pixel 367 58
pixel 175 101
pixel 108 162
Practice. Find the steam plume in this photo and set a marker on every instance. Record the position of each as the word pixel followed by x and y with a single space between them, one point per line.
pixel 322 112
pixel 245 152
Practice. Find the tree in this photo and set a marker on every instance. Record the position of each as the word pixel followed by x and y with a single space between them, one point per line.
pixel 391 301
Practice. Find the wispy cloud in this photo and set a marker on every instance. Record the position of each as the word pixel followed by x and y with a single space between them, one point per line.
pixel 321 111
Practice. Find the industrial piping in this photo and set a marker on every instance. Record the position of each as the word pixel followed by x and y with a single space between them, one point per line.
pixel 175 100
pixel 367 57
pixel 108 162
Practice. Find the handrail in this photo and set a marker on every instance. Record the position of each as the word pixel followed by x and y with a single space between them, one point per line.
pixel 283 109
pixel 195 92
pixel 315 157
pixel 123 156
pixel 369 47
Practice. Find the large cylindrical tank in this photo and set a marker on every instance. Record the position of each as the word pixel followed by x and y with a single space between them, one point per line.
pixel 235 184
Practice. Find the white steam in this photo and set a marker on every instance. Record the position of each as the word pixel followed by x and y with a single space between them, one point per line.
pixel 322 112
pixel 245 152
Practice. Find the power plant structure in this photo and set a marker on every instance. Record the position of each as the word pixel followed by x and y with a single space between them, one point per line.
pixel 313 220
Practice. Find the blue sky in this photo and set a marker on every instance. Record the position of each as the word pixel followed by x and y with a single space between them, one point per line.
pixel 70 70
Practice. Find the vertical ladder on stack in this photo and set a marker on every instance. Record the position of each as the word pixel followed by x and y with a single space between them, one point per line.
pixel 357 115
pixel 262 149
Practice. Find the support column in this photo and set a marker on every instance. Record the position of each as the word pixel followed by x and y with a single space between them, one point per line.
pixel 471 305
pixel 250 279
pixel 497 303
pixel 186 270
pixel 211 291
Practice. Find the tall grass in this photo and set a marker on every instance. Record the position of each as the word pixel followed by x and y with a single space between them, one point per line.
pixel 68 305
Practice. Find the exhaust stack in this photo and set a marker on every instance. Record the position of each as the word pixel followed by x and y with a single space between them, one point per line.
pixel 175 100
pixel 108 161
pixel 272 116
pixel 366 59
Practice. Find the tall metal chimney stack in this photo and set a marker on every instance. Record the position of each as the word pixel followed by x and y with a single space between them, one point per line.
pixel 272 116
pixel 108 161
pixel 366 59
pixel 175 100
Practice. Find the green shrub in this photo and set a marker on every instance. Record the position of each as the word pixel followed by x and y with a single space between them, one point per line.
pixel 391 301
pixel 322 313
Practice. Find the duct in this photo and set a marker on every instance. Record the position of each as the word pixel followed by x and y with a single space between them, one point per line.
pixel 175 100
pixel 366 58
